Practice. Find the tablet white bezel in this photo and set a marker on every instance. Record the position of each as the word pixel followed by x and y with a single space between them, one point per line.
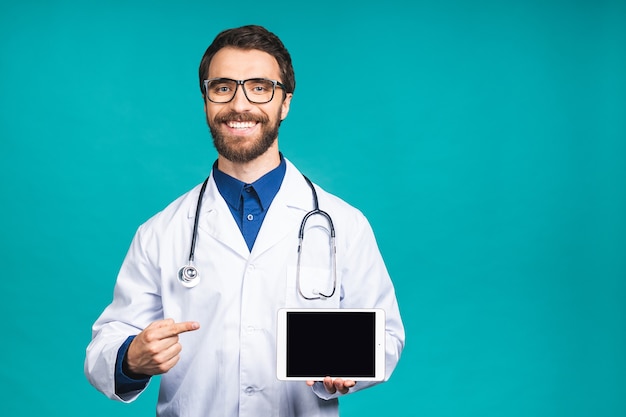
pixel 379 344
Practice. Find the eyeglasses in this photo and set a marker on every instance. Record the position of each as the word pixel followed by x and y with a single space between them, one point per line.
pixel 256 90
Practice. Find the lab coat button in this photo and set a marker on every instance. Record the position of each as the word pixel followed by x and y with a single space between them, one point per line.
pixel 249 390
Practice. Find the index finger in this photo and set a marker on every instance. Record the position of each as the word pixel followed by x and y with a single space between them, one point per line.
pixel 184 326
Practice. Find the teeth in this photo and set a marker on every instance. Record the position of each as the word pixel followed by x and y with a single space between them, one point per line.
pixel 241 125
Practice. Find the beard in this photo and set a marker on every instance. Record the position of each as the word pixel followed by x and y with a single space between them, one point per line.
pixel 231 147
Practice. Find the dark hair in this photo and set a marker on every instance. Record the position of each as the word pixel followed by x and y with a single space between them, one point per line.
pixel 247 38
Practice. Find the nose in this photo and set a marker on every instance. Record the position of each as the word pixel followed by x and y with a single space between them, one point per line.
pixel 240 102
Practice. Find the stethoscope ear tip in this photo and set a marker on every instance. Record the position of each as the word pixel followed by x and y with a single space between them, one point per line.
pixel 188 276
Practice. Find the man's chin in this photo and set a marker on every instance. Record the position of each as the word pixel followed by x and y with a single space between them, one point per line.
pixel 243 148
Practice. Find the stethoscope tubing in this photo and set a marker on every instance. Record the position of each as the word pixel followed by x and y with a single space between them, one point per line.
pixel 189 277
pixel 196 220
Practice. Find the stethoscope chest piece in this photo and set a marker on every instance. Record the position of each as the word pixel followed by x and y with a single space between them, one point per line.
pixel 188 276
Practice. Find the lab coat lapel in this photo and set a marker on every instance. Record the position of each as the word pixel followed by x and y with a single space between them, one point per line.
pixel 217 221
pixel 283 218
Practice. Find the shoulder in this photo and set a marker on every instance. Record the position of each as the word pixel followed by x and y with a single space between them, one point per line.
pixel 342 212
pixel 179 210
pixel 338 207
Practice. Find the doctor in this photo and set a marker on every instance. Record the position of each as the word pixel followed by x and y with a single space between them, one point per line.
pixel 215 342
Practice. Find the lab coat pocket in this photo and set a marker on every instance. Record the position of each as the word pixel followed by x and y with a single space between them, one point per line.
pixel 312 287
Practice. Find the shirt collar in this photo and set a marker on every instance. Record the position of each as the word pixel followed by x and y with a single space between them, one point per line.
pixel 266 187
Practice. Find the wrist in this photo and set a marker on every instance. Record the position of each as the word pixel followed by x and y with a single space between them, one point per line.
pixel 127 371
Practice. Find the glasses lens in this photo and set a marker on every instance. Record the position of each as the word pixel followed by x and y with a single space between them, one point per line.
pixel 259 90
pixel 221 90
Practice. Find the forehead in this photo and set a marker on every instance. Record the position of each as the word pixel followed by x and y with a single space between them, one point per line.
pixel 242 64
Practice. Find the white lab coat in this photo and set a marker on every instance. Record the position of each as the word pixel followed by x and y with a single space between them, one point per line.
pixel 228 367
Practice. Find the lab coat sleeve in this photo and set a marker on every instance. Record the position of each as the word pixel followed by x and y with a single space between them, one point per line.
pixel 366 284
pixel 136 303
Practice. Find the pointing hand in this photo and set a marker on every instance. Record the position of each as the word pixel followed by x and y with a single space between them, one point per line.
pixel 156 349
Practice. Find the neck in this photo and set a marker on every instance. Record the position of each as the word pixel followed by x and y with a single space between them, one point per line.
pixel 251 171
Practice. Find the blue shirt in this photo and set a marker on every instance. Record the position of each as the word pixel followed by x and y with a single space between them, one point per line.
pixel 249 204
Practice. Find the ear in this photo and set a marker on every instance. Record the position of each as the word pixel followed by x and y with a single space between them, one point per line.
pixel 284 107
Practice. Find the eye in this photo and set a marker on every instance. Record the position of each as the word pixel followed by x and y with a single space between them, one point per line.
pixel 220 87
pixel 259 87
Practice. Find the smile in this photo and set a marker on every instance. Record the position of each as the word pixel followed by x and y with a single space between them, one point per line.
pixel 241 125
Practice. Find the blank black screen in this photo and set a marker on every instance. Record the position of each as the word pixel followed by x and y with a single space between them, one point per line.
pixel 333 344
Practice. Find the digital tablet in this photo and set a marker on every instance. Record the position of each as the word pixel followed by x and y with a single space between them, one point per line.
pixel 340 343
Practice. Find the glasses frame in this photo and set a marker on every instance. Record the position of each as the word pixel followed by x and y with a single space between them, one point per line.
pixel 241 83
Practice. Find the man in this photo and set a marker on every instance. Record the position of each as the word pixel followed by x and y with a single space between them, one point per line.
pixel 213 338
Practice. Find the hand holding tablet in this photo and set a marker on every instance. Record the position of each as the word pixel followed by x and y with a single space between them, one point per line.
pixel 334 385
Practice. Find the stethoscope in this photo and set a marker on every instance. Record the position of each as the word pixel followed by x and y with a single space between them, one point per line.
pixel 189 276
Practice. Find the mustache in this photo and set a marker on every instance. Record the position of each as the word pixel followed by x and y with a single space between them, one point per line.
pixel 240 117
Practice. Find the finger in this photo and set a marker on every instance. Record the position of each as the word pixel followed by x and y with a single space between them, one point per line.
pixel 338 383
pixel 310 383
pixel 163 367
pixel 344 383
pixel 168 353
pixel 161 359
pixel 185 326
pixel 328 384
pixel 172 329
pixel 343 386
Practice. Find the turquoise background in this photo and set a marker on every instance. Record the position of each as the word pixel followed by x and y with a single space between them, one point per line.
pixel 484 140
